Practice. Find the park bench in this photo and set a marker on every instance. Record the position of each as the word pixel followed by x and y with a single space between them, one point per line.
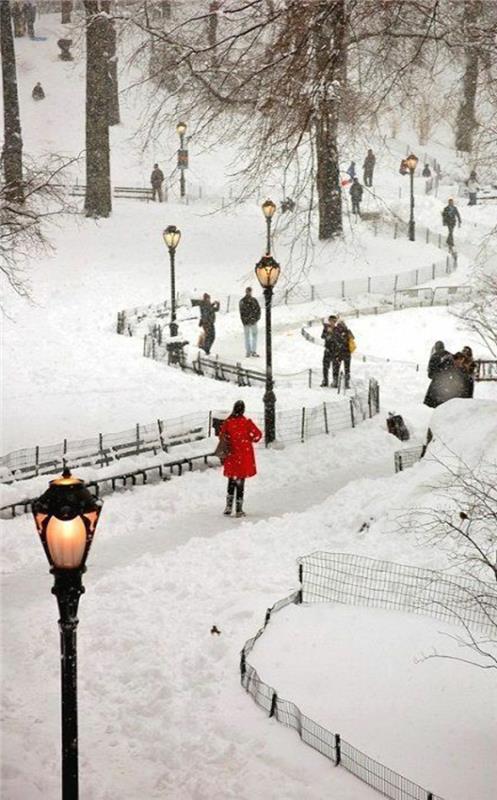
pixel 134 193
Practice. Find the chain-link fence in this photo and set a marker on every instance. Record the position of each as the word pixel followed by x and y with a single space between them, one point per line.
pixel 357 580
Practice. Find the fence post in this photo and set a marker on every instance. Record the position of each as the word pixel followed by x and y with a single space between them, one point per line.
pixel 338 749
pixel 160 426
pixel 37 459
pixel 325 415
pixel 447 267
pixel 429 796
pixel 310 379
pixel 433 270
pixel 302 426
pixel 416 281
pixel 228 304
pixel 301 581
pixel 243 664
pixel 137 438
pixel 274 700
pixel 210 422
pixel 395 283
pixel 312 291
pixel 427 235
pixel 153 349
pixel 440 240
pixel 101 447
pixel 369 284
pixel 395 231
pixel 352 416
pixel 343 289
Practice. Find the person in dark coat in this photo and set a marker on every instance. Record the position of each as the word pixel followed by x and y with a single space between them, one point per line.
pixel 207 320
pixel 356 192
pixel 451 215
pixel 449 378
pixel 336 337
pixel 29 11
pixel 368 167
pixel 426 171
pixel 351 172
pixel 38 93
pixel 240 434
pixel 250 314
pixel 157 179
pixel 469 366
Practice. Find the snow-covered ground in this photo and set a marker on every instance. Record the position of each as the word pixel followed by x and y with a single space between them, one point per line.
pixel 161 710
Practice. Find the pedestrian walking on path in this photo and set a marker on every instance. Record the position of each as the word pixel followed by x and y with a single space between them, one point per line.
pixel 250 314
pixel 368 168
pixel 451 215
pixel 236 439
pixel 157 179
pixel 356 192
pixel 207 320
pixel 337 349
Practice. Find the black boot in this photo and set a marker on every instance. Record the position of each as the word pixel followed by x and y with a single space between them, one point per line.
pixel 229 505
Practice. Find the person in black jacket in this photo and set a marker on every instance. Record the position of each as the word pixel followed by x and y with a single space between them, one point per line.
pixel 38 93
pixel 336 337
pixel 207 320
pixel 442 376
pixel 250 314
pixel 157 179
pixel 356 192
pixel 368 167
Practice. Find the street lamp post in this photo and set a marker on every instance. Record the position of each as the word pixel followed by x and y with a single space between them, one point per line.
pixel 411 163
pixel 268 209
pixel 267 271
pixel 171 236
pixel 66 517
pixel 182 157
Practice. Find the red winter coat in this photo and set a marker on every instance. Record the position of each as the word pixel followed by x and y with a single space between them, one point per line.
pixel 241 432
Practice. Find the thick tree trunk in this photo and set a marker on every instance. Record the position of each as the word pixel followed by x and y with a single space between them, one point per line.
pixel 466 118
pixel 330 56
pixel 12 145
pixel 98 201
pixel 114 116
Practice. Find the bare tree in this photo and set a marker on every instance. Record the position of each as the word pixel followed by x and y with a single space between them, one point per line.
pixel 12 146
pixel 480 314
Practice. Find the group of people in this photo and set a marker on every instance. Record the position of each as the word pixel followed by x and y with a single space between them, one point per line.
pixel 250 314
pixel 356 190
pixel 451 375
pixel 339 344
pixel 23 17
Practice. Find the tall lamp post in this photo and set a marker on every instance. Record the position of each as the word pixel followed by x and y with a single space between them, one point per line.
pixel 171 236
pixel 268 209
pixel 267 271
pixel 66 517
pixel 411 163
pixel 182 157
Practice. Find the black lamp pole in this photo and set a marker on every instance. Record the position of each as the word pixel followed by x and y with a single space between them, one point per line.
pixel 268 271
pixel 269 398
pixel 66 517
pixel 412 229
pixel 173 327
pixel 68 588
pixel 268 235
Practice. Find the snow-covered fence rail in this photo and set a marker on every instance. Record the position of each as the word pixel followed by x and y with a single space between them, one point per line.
pixel 128 320
pixel 403 459
pixel 292 425
pixel 357 580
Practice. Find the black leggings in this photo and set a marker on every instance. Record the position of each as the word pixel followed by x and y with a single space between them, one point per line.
pixel 239 485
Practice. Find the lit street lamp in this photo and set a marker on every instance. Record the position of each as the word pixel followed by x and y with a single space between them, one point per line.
pixel 268 209
pixel 66 517
pixel 172 235
pixel 411 163
pixel 182 157
pixel 268 272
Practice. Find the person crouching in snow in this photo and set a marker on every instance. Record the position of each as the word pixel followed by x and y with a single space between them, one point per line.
pixel 238 434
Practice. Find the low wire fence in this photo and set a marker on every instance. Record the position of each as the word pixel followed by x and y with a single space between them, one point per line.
pixel 129 319
pixel 357 580
pixel 403 459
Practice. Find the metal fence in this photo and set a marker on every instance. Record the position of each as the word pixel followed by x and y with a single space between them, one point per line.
pixel 129 319
pixel 357 580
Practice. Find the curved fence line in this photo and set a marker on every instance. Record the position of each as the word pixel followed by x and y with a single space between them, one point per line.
pixel 130 318
pixel 358 580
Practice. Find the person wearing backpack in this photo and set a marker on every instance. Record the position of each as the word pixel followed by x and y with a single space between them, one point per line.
pixel 337 349
pixel 237 437
pixel 451 215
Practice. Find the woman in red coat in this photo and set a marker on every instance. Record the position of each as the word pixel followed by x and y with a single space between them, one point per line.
pixel 238 434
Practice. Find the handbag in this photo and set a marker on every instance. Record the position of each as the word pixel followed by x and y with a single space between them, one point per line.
pixel 352 344
pixel 223 448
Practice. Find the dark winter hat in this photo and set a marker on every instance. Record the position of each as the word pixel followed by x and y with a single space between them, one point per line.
pixel 332 318
pixel 238 409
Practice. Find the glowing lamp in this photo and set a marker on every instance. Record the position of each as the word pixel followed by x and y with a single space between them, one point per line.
pixel 268 208
pixel 411 162
pixel 267 271
pixel 181 128
pixel 66 517
pixel 172 235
